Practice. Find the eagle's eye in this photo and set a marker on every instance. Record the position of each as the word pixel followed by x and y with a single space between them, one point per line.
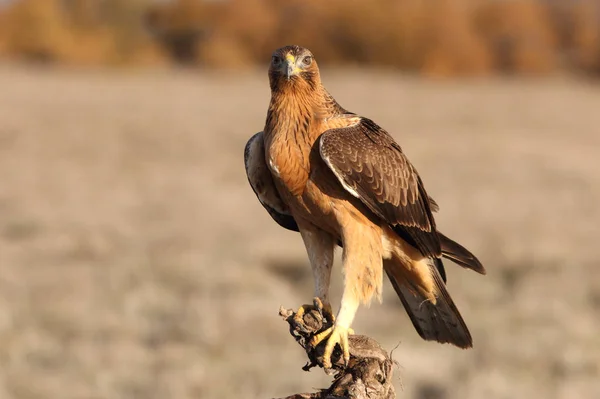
pixel 307 60
pixel 276 60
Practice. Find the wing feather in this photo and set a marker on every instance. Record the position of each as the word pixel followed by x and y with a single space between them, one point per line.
pixel 371 166
pixel 262 183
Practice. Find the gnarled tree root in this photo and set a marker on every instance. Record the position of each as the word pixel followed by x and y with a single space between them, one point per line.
pixel 368 375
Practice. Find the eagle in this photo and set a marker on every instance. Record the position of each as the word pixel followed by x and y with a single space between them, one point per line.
pixel 339 179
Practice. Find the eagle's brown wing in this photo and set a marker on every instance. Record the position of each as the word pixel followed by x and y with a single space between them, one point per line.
pixel 262 184
pixel 372 167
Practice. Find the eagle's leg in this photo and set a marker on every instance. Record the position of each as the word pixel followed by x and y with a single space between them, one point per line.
pixel 363 278
pixel 338 334
pixel 319 245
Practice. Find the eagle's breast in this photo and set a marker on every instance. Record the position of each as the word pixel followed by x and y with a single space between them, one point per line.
pixel 289 165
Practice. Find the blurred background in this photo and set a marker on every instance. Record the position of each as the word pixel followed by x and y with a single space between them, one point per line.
pixel 135 261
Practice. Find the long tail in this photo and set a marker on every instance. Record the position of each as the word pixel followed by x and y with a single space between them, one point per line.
pixel 459 254
pixel 439 322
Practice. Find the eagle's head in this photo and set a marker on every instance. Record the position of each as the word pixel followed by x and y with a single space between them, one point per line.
pixel 293 67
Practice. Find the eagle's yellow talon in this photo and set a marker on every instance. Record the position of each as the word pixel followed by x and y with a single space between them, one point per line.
pixel 298 317
pixel 323 307
pixel 316 340
pixel 335 335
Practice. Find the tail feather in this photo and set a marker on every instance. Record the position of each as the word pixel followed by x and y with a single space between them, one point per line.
pixel 439 322
pixel 459 254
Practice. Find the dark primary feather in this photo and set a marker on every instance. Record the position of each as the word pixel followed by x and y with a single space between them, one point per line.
pixel 441 322
pixel 372 167
pixel 460 255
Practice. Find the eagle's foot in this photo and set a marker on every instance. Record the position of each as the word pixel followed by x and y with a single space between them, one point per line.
pixel 318 305
pixel 335 335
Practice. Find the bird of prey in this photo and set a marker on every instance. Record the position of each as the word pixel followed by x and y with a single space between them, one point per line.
pixel 340 179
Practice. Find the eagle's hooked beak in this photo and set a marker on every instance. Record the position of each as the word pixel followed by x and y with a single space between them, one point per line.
pixel 290 66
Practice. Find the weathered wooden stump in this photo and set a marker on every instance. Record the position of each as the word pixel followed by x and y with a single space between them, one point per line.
pixel 369 373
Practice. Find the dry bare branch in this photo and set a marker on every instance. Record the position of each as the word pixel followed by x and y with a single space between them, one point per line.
pixel 368 374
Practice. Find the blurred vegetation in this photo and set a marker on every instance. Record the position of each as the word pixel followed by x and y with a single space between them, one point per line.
pixel 432 37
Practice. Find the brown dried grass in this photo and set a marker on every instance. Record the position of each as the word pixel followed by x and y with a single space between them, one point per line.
pixel 586 36
pixel 519 34
pixel 45 30
pixel 439 38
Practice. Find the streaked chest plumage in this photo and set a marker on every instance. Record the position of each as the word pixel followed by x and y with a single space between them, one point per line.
pixel 292 129
pixel 288 160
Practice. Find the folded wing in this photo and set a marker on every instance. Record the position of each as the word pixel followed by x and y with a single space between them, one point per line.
pixel 262 184
pixel 372 167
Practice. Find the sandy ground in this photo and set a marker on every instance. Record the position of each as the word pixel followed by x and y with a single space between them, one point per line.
pixel 135 261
